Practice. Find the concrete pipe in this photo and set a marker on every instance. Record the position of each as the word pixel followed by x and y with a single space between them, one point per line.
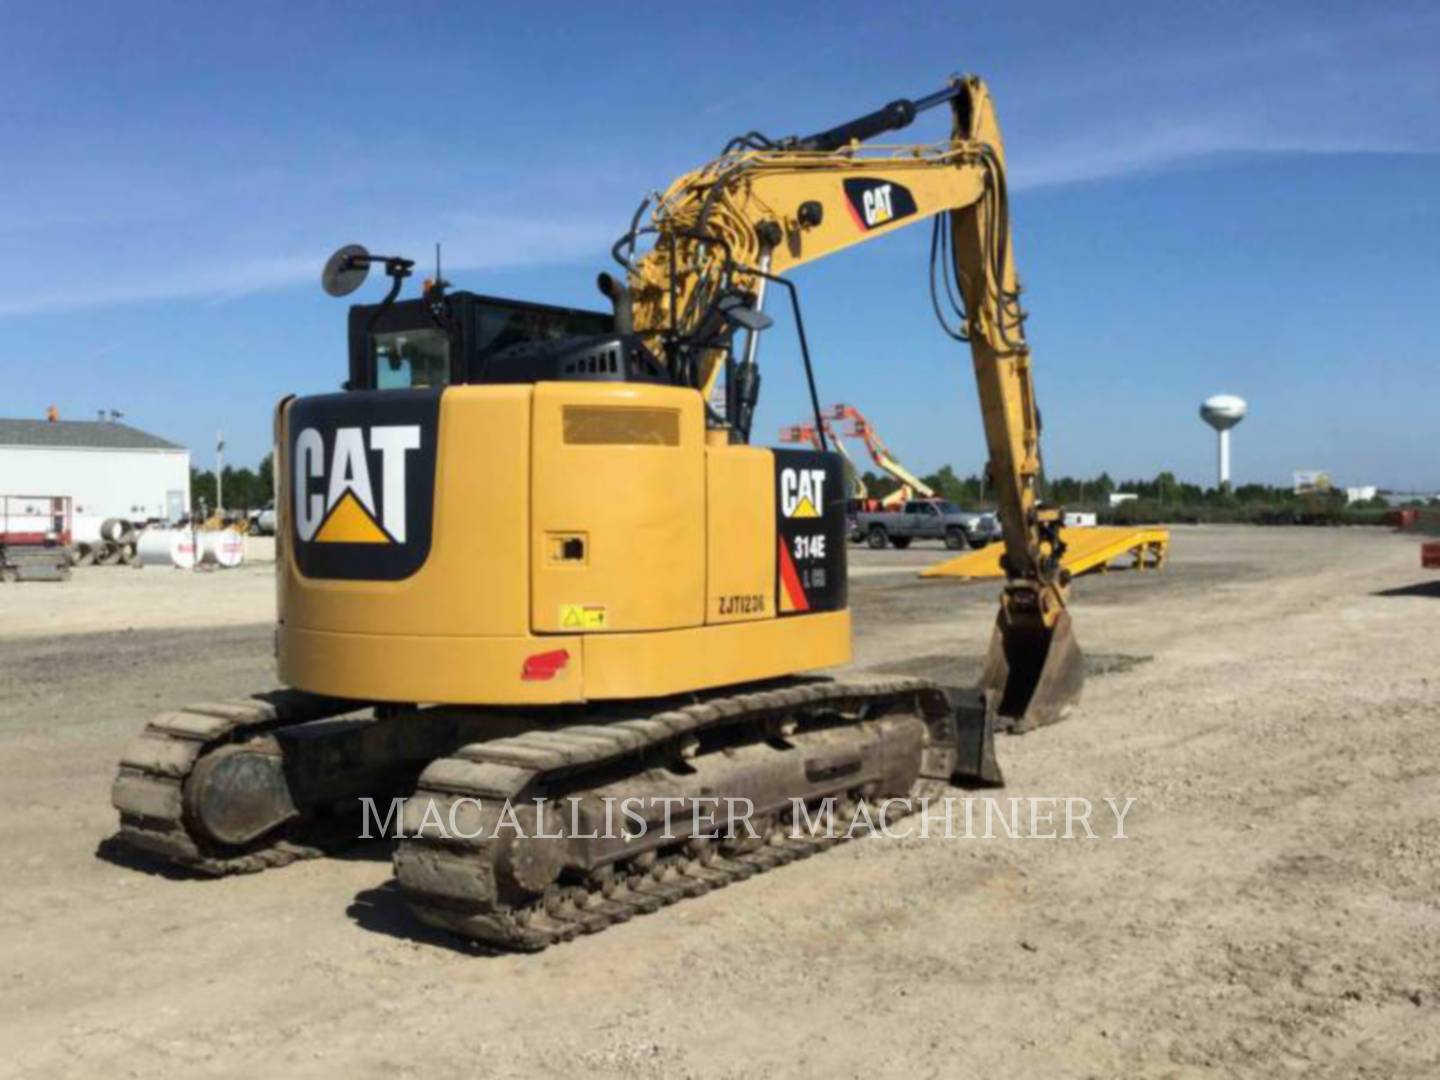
pixel 117 531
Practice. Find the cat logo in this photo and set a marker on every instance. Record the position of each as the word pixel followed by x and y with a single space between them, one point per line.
pixel 802 492
pixel 873 203
pixel 343 508
pixel 876 202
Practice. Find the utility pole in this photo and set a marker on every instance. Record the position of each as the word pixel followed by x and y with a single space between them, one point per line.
pixel 219 472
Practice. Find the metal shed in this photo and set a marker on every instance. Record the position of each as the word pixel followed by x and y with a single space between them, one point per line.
pixel 106 468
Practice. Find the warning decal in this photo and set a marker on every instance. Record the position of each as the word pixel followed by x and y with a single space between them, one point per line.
pixel 582 617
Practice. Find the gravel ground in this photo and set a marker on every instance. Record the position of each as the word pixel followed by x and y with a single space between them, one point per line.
pixel 1267 701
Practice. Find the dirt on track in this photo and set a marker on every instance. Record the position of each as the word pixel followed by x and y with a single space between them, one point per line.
pixel 1268 701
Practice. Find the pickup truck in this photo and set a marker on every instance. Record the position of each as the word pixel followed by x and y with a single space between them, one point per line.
pixel 262 522
pixel 925 519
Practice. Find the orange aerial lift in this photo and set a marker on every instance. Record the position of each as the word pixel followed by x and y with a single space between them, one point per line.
pixel 860 428
pixel 809 433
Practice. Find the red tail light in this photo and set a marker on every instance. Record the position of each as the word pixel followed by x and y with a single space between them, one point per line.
pixel 544 665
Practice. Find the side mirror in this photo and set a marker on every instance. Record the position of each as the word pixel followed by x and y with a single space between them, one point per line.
pixel 346 270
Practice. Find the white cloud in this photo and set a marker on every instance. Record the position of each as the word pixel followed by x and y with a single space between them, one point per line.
pixel 1176 144
pixel 471 242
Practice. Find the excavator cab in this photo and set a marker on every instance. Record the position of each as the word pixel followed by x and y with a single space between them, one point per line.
pixel 462 338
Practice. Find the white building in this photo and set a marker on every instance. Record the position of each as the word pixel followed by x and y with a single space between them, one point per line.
pixel 107 469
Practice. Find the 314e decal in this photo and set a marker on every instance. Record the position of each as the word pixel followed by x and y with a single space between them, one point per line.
pixel 810 527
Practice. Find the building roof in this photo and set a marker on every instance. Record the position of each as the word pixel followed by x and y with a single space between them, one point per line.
pixel 90 434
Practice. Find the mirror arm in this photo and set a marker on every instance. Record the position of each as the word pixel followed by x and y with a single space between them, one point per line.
pixel 397 269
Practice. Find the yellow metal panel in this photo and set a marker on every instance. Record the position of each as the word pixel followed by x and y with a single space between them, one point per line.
pixel 475 581
pixel 647 665
pixel 740 534
pixel 489 670
pixel 633 513
pixel 428 669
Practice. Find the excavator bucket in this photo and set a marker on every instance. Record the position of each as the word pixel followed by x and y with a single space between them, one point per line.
pixel 1035 674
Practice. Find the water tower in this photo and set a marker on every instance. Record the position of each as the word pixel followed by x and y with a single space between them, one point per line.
pixel 1223 412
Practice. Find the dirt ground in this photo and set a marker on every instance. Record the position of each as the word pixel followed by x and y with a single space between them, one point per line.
pixel 1268 701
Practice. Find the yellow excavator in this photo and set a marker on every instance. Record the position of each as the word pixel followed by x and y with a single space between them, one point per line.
pixel 529 559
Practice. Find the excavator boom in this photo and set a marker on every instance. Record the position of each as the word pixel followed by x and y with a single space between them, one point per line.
pixel 726 232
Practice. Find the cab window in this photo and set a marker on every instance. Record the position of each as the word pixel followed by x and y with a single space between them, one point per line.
pixel 411 358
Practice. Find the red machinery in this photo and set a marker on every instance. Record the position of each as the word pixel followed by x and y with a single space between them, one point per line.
pixel 35 537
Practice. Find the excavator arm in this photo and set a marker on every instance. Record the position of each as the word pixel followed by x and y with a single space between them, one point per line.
pixel 720 237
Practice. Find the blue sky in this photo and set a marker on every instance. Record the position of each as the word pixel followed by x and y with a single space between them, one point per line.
pixel 1207 197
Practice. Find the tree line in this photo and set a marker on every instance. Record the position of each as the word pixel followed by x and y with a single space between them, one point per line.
pixel 1092 493
pixel 244 489
pixel 1164 498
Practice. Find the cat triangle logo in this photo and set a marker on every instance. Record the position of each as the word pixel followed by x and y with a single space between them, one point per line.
pixel 350 523
pixel 805 509
pixel 802 491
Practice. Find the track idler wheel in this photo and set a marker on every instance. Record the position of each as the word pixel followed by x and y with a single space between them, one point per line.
pixel 239 793
pixel 1035 673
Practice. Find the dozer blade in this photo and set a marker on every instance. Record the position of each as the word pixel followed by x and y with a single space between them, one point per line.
pixel 1035 673
pixel 974 763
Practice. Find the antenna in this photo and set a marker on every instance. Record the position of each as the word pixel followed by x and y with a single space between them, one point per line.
pixel 438 277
